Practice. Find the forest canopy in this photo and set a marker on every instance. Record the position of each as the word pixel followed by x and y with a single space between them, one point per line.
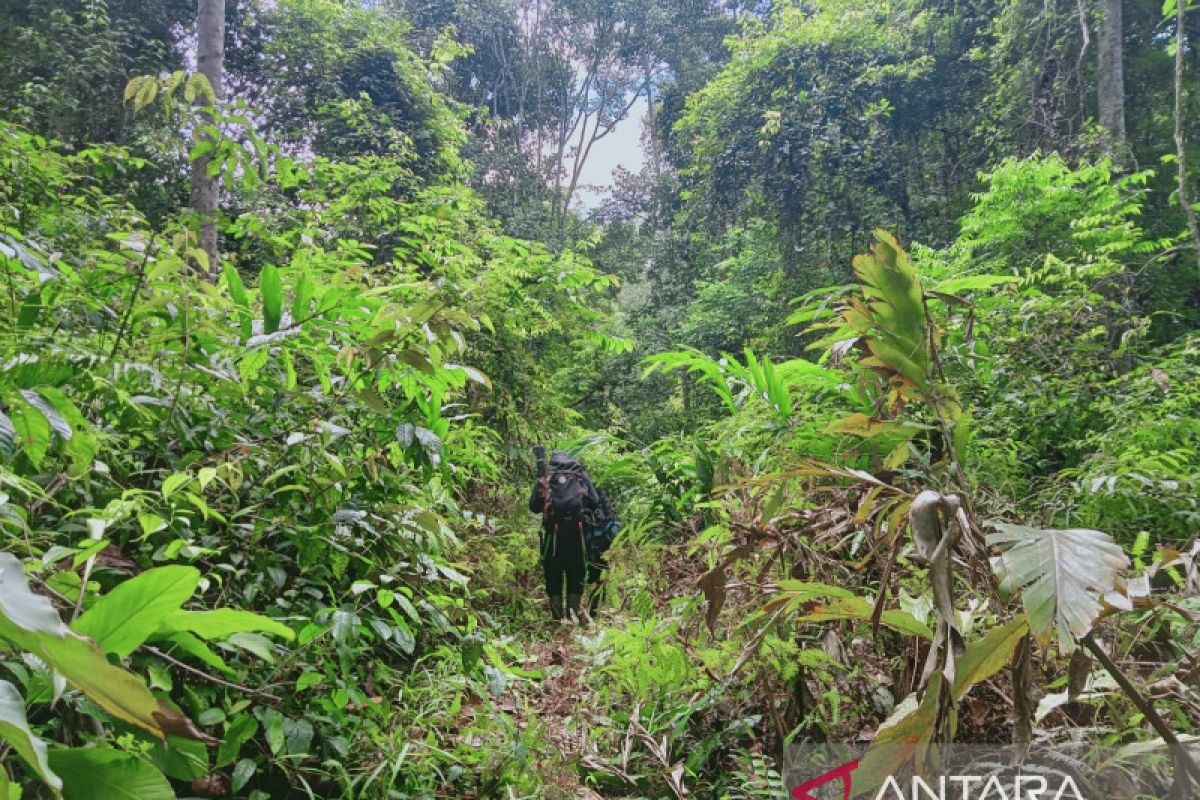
pixel 880 344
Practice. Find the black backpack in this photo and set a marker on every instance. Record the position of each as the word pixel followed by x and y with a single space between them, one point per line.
pixel 566 492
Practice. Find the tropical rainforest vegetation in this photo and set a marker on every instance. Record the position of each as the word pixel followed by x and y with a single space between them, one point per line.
pixel 887 356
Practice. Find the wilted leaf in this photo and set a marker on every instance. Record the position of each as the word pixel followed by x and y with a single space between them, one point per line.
pixel 858 608
pixel 712 583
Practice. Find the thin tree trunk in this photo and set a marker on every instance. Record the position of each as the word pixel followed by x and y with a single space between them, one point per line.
pixel 1110 84
pixel 651 123
pixel 1185 198
pixel 210 60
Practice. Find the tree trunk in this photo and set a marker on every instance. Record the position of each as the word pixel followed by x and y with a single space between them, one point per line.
pixel 1185 198
pixel 210 59
pixel 1110 85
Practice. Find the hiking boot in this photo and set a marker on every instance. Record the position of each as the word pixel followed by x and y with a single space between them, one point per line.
pixel 575 606
pixel 556 608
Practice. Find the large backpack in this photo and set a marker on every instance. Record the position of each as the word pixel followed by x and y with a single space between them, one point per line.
pixel 565 492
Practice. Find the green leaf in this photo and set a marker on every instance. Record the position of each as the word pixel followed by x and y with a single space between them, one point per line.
pixel 297 736
pixel 237 291
pixel 1061 575
pixel 179 758
pixel 242 773
pixel 123 619
pixel 66 409
pixel 198 86
pixel 222 622
pixel 173 483
pixel 33 431
pixel 29 622
pixel 404 638
pixel 189 644
pixel 984 658
pixel 146 92
pixel 31 309
pixel 151 523
pixel 273 721
pixel 271 287
pixel 237 733
pixel 100 773
pixel 14 729
pixel 253 643
pixel 302 300
pixel 308 680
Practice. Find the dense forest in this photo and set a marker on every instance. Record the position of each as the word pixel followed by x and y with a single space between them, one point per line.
pixel 884 345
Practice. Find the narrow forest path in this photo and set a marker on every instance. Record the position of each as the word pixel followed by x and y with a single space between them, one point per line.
pixel 555 703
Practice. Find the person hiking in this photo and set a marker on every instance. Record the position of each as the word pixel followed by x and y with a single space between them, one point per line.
pixel 567 500
pixel 600 533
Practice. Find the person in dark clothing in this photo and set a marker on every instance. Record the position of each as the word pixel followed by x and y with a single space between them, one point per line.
pixel 601 531
pixel 566 498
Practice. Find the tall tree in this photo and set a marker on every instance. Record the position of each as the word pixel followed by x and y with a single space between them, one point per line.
pixel 1110 84
pixel 210 61
pixel 1184 194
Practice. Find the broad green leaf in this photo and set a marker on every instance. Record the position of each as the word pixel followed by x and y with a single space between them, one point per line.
pixel 273 721
pixel 65 408
pixel 58 424
pixel 253 643
pixel 32 429
pixel 237 291
pixel 173 482
pixel 198 87
pixel 308 680
pixel 146 92
pixel 222 622
pixel 302 299
pixel 242 773
pixel 179 758
pixel 984 658
pixel 297 736
pixel 404 638
pixel 151 523
pixel 123 619
pixel 189 644
pixel 271 287
pixel 132 87
pixel 29 622
pixel 206 476
pixel 1061 574
pixel 100 773
pixel 237 733
pixel 14 729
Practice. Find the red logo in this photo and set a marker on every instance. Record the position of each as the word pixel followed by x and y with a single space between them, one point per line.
pixel 801 792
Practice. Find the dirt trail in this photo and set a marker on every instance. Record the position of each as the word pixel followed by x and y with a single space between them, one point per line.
pixel 554 704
